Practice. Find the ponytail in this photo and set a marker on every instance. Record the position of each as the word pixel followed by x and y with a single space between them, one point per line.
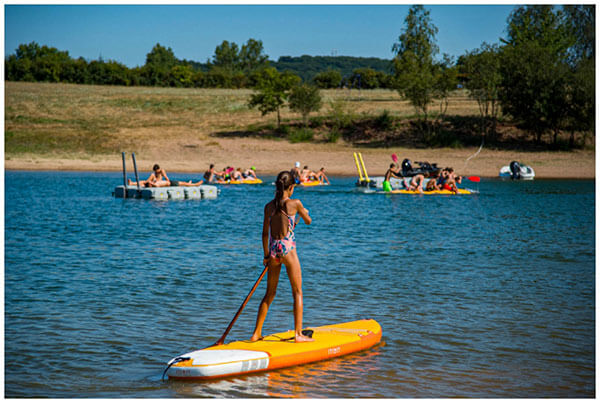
pixel 283 182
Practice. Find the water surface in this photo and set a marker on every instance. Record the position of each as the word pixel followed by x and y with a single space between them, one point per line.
pixel 489 295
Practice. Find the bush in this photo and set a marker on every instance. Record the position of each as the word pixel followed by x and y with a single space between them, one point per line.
pixel 305 99
pixel 333 136
pixel 301 136
pixel 284 130
pixel 340 118
pixel 385 121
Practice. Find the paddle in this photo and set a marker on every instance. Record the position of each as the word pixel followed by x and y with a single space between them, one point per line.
pixel 222 339
pixel 395 158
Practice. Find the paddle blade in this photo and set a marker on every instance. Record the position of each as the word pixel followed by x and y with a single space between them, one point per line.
pixel 474 178
pixel 395 158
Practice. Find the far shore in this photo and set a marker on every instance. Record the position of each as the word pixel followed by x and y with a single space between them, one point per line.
pixel 270 157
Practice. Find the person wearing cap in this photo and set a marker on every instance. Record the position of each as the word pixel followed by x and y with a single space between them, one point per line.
pixel 296 172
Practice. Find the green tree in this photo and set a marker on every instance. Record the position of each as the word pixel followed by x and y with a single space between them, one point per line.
pixel 535 71
pixel 182 76
pixel 581 22
pixel 366 78
pixel 227 56
pixel 328 79
pixel 251 56
pixel 445 81
pixel 414 60
pixel 482 69
pixel 305 99
pixel 159 63
pixel 272 91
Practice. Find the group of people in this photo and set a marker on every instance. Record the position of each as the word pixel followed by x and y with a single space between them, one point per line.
pixel 445 179
pixel 229 174
pixel 158 178
pixel 306 175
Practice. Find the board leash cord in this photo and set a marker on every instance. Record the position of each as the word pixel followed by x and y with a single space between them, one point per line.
pixel 175 361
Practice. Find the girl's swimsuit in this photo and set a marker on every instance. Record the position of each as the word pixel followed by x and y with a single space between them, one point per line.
pixel 278 248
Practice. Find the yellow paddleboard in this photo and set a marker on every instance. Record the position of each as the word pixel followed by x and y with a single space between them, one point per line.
pixel 433 192
pixel 275 351
pixel 311 183
pixel 245 182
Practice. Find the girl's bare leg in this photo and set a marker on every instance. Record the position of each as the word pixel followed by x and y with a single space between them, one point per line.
pixel 272 280
pixel 292 265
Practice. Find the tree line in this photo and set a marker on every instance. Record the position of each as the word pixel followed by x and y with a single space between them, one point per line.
pixel 542 74
pixel 231 66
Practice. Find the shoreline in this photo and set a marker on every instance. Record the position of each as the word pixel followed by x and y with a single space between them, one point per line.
pixel 270 157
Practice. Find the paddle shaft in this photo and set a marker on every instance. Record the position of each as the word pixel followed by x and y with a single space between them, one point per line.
pixel 222 339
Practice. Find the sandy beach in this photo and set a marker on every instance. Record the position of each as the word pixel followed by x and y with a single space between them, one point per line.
pixel 272 156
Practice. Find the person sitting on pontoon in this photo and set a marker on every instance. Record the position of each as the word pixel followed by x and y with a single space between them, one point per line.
pixel 416 183
pixel 451 181
pixel 159 178
pixel 321 176
pixel 237 175
pixel 387 186
pixel 306 174
pixel 432 183
pixel 210 175
pixel 249 173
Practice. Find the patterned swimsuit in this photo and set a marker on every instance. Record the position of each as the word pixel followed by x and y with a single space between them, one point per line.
pixel 278 248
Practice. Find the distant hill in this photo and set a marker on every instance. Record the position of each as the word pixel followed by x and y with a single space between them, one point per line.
pixel 308 66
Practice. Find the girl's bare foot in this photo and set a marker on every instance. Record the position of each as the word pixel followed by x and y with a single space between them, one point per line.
pixel 300 338
pixel 256 337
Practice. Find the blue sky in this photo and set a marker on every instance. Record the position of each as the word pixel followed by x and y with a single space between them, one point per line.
pixel 127 33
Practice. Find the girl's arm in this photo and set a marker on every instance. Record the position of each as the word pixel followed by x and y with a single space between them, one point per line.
pixel 265 236
pixel 165 174
pixel 303 212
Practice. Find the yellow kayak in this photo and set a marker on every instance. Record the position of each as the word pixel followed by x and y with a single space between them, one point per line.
pixel 433 192
pixel 244 182
pixel 275 351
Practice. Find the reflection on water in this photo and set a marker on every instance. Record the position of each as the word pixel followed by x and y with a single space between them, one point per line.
pixel 491 295
pixel 339 377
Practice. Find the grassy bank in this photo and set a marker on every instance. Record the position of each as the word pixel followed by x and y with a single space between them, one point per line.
pixel 86 127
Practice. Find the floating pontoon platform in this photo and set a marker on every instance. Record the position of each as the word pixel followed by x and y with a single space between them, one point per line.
pixel 168 193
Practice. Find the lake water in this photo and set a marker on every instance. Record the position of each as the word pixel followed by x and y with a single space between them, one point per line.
pixel 490 295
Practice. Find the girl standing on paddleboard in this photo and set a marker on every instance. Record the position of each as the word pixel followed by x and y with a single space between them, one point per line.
pixel 279 246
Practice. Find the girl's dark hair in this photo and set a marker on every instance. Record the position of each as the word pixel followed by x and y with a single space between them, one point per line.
pixel 283 182
pixel 155 167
